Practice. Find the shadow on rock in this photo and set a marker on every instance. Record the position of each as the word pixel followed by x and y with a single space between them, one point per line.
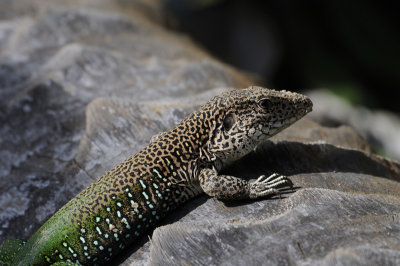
pixel 291 158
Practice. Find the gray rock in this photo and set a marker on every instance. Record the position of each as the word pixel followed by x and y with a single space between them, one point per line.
pixel 59 61
pixel 311 226
pixel 345 200
pixel 118 128
pixel 84 87
pixel 381 128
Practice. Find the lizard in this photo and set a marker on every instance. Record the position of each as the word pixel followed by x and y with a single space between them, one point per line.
pixel 176 166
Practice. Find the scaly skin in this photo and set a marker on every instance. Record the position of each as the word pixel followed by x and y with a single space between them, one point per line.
pixel 123 204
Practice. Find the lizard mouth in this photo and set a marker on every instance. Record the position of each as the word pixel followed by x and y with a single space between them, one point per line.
pixel 307 106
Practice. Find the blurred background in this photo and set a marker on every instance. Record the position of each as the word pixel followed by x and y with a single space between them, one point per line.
pixel 349 47
pixel 348 50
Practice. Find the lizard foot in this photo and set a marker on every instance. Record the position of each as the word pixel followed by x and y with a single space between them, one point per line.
pixel 265 186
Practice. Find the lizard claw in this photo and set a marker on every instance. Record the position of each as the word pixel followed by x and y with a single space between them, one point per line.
pixel 264 178
pixel 275 180
pixel 265 186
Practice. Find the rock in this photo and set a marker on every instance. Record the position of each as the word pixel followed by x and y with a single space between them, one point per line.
pixel 346 199
pixel 85 88
pixel 60 60
pixel 380 128
pixel 313 226
pixel 119 128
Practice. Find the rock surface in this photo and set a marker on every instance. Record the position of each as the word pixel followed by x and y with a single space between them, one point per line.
pixel 346 203
pixel 59 61
pixel 381 128
pixel 85 85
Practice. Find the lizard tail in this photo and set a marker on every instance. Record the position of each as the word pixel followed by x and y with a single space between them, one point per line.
pixel 9 249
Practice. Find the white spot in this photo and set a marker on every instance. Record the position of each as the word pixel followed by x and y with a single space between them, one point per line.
pixel 145 195
pixel 157 173
pixel 142 183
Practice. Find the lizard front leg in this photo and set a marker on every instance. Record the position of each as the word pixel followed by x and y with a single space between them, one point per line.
pixel 231 187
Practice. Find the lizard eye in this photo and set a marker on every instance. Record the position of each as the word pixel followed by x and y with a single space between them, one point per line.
pixel 265 104
pixel 229 121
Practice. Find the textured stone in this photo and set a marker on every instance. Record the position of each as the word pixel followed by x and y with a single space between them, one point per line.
pixel 60 60
pixel 118 128
pixel 345 200
pixel 381 128
pixel 85 84
pixel 311 226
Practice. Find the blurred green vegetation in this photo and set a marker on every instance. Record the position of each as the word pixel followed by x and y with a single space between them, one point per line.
pixel 349 47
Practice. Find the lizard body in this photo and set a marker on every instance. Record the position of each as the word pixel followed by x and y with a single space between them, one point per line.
pixel 124 203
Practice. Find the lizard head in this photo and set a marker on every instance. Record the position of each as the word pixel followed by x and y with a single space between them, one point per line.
pixel 244 118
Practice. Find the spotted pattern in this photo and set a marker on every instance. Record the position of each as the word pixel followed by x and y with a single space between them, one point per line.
pixel 134 196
